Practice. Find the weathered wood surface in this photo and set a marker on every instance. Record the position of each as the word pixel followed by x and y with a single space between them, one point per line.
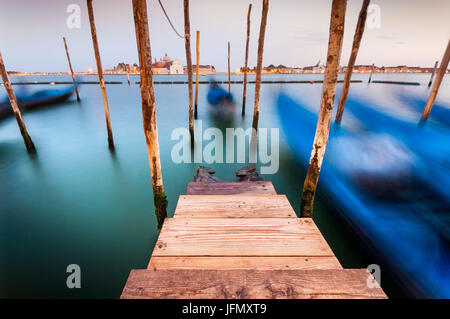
pixel 437 83
pixel 259 62
pixel 257 249
pixel 187 44
pixel 100 73
pixel 351 62
pixel 247 41
pixel 15 107
pixel 149 108
pixel 256 263
pixel 229 71
pixel 205 175
pixel 243 284
pixel 71 70
pixel 234 206
pixel 240 237
pixel 336 35
pixel 197 71
pixel 230 188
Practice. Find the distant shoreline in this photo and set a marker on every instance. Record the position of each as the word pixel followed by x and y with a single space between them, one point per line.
pixel 217 73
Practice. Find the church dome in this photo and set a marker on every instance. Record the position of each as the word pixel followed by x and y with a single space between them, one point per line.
pixel 166 58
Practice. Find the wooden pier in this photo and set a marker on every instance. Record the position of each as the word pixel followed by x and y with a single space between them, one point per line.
pixel 243 240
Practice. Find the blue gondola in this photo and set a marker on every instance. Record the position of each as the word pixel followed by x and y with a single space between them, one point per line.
pixel 221 102
pixel 374 182
pixel 28 101
pixel 439 113
pixel 430 143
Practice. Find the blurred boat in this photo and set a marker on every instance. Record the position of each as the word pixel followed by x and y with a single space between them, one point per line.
pixel 430 143
pixel 439 113
pixel 221 102
pixel 373 181
pixel 29 101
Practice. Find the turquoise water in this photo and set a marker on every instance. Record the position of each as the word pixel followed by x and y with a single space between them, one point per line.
pixel 77 203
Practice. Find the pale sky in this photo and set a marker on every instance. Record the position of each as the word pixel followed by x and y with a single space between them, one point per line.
pixel 412 32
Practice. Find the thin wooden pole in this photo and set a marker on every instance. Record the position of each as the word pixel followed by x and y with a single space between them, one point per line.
pixel 100 73
pixel 229 72
pixel 433 73
pixel 149 108
pixel 351 62
pixel 128 74
pixel 197 70
pixel 337 22
pixel 187 42
pixel 371 71
pixel 244 94
pixel 14 105
pixel 71 70
pixel 436 84
pixel 262 32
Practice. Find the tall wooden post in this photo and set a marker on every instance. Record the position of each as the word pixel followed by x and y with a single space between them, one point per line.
pixel 262 32
pixel 244 94
pixel 197 70
pixel 351 62
pixel 433 73
pixel 437 84
pixel 326 106
pixel 371 71
pixel 187 43
pixel 229 71
pixel 71 70
pixel 13 101
pixel 149 108
pixel 128 74
pixel 100 73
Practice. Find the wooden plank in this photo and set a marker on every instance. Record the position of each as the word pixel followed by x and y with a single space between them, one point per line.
pixel 240 237
pixel 256 263
pixel 260 284
pixel 234 206
pixel 230 188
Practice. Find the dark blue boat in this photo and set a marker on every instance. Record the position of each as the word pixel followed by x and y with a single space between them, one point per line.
pixel 29 101
pixel 439 113
pixel 431 143
pixel 221 102
pixel 372 180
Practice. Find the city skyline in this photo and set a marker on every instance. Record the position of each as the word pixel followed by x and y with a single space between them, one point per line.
pixel 412 33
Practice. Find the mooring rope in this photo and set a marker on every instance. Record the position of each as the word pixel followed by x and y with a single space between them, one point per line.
pixel 168 19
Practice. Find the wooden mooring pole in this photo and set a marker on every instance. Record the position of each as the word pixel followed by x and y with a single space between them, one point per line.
pixel 100 73
pixel 197 70
pixel 351 62
pixel 14 105
pixel 337 22
pixel 437 84
pixel 433 73
pixel 149 108
pixel 128 74
pixel 187 43
pixel 371 71
pixel 71 70
pixel 262 32
pixel 247 41
pixel 229 72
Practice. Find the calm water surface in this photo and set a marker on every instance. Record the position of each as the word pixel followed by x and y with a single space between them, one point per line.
pixel 76 203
